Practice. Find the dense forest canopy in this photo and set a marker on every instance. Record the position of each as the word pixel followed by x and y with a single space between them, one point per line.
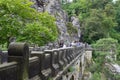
pixel 98 18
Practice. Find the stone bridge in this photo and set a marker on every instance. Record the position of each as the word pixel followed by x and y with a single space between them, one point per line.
pixel 55 64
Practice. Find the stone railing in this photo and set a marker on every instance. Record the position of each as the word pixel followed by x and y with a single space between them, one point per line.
pixel 37 65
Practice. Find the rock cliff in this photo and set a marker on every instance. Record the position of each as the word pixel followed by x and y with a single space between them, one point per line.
pixel 54 8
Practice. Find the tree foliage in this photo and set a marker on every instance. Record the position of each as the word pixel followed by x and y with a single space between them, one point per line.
pixel 18 19
pixel 70 28
pixel 102 49
pixel 105 46
pixel 98 18
pixel 96 76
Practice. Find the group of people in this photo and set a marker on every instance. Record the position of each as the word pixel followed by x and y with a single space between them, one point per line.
pixel 72 44
pixel 62 44
pixel 76 44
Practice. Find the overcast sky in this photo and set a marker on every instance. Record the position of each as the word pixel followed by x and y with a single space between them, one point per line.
pixel 114 0
pixel 72 0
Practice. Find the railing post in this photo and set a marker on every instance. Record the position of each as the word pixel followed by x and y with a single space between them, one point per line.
pixel 43 59
pixel 67 55
pixel 61 59
pixel 64 56
pixel 54 67
pixel 56 59
pixel 70 53
pixel 19 52
pixel 46 71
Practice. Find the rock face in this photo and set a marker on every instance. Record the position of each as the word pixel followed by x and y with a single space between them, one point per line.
pixel 76 23
pixel 54 8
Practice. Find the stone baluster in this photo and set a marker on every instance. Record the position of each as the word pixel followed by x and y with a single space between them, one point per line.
pixel 64 56
pixel 61 59
pixel 70 53
pixel 67 55
pixel 56 60
pixel 46 71
pixel 54 67
pixel 40 55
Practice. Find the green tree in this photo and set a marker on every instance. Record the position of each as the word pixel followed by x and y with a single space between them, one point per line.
pixel 13 15
pixel 77 7
pixel 97 18
pixel 92 29
pixel 106 45
pixel 40 32
pixel 16 16
pixel 102 49
pixel 116 33
pixel 99 24
pixel 100 4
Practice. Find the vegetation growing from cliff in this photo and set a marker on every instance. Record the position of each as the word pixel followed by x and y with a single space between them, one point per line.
pixel 18 19
pixel 70 28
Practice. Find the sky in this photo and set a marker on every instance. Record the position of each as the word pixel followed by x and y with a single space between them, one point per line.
pixel 72 0
pixel 114 0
